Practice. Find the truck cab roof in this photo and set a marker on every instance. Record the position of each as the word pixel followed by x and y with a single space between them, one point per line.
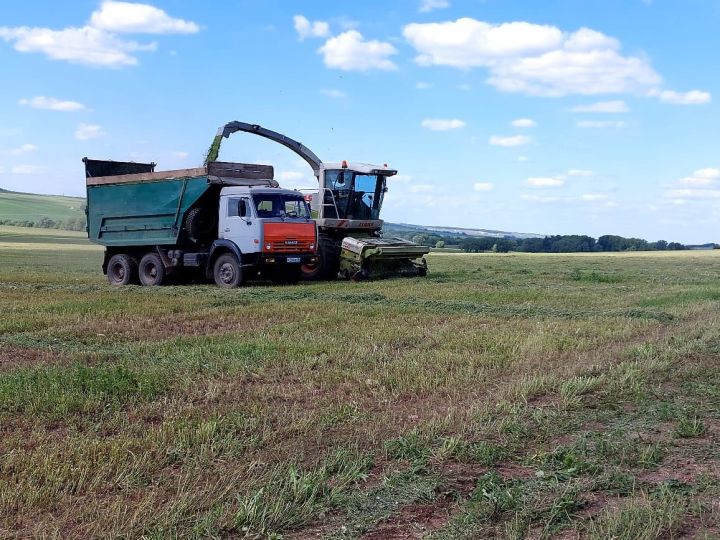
pixel 250 190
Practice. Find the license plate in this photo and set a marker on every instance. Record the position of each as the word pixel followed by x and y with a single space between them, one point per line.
pixel 293 259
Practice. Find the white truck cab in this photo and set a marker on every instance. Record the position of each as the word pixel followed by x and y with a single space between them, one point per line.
pixel 271 227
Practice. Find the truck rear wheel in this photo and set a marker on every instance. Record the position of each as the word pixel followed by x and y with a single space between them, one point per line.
pixel 200 225
pixel 121 270
pixel 227 271
pixel 151 270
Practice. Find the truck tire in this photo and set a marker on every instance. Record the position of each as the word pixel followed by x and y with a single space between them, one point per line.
pixel 200 225
pixel 227 271
pixel 121 270
pixel 151 270
pixel 328 263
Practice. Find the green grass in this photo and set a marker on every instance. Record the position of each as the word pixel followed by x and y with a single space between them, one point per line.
pixel 504 396
pixel 33 207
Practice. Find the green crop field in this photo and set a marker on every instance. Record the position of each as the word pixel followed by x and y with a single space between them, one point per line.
pixel 503 396
pixel 32 207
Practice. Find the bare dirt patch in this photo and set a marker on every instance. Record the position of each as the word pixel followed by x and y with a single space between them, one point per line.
pixel 685 469
pixel 12 357
pixel 413 521
pixel 176 325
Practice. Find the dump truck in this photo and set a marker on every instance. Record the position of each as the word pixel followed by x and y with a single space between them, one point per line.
pixel 346 207
pixel 224 221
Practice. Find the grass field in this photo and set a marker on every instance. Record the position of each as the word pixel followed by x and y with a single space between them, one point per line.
pixel 503 396
pixel 33 207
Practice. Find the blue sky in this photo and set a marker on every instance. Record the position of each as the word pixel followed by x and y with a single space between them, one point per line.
pixel 555 117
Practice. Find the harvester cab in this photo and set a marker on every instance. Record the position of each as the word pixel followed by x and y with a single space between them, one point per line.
pixel 346 207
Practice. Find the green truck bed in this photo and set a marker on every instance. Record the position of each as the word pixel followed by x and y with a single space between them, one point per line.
pixel 149 208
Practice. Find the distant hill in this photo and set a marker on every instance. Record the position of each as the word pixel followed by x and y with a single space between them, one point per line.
pixel 400 228
pixel 30 207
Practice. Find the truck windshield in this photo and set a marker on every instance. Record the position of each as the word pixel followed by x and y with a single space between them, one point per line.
pixel 274 205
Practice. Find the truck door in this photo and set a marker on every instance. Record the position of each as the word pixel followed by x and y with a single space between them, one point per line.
pixel 239 224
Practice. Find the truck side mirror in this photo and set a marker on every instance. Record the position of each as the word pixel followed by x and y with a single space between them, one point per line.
pixel 242 208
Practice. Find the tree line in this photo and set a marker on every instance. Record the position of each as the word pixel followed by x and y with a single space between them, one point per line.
pixel 571 243
pixel 70 224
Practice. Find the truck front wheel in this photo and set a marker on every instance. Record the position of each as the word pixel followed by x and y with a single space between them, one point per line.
pixel 151 270
pixel 227 271
pixel 121 270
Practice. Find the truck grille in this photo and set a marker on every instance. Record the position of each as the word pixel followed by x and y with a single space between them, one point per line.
pixel 294 246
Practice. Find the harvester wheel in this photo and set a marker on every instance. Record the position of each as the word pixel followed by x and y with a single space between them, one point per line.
pixel 328 261
pixel 121 270
pixel 360 275
pixel 227 271
pixel 200 225
pixel 151 270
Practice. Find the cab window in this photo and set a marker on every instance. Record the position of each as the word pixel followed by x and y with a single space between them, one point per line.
pixel 237 207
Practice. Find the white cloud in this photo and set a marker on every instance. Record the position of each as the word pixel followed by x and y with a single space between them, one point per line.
pixel 616 106
pixel 516 140
pixel 709 172
pixel 601 124
pixel 594 197
pixel 693 193
pixel 181 155
pixel 350 51
pixel 693 97
pixel 27 169
pixel 533 59
pixel 24 149
pixel 85 132
pixel 296 180
pixel 127 17
pixel 98 43
pixel 464 87
pixel 306 29
pixel 52 104
pixel 539 198
pixel 442 124
pixel 422 188
pixel 701 178
pixel 580 173
pixel 545 182
pixel 86 45
pixel 523 159
pixel 483 186
pixel 695 181
pixel 291 176
pixel 423 85
pixel 333 93
pixel 523 123
pixel 471 43
pixel 704 184
pixel 427 6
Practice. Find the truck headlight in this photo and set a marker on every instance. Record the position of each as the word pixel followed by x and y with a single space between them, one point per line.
pixel 268 246
pixel 312 246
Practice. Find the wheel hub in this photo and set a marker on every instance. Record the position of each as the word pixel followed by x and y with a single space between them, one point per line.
pixel 227 273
